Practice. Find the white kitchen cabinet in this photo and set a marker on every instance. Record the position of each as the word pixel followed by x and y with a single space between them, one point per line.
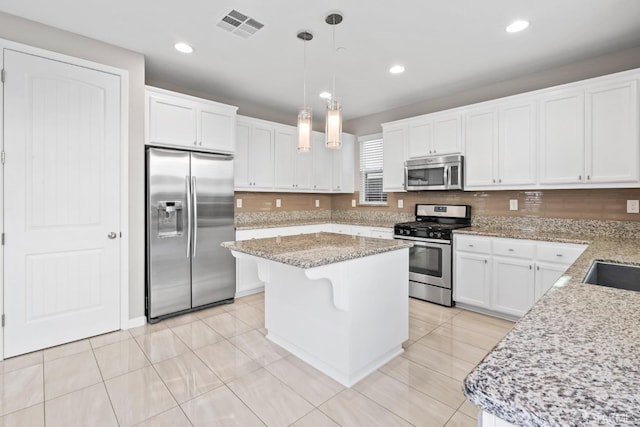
pixel 292 169
pixel 253 163
pixel 323 162
pixel 394 152
pixel 547 275
pixel 344 162
pixel 381 233
pixel 513 287
pixel 434 134
pixel 472 279
pixel 182 121
pixel 341 228
pixel 500 145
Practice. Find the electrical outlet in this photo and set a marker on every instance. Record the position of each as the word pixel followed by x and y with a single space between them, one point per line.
pixel 400 203
pixel 238 203
pixel 278 203
pixel 633 206
pixel 353 203
pixel 317 203
pixel 513 204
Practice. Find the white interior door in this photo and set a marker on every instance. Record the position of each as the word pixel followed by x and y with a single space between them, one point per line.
pixel 62 200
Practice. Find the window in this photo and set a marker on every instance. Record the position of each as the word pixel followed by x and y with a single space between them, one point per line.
pixel 371 172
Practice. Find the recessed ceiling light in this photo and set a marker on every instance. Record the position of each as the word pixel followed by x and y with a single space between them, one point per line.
pixel 325 95
pixel 516 26
pixel 183 47
pixel 396 69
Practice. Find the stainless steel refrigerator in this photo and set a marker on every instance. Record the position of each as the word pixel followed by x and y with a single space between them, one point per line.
pixel 189 213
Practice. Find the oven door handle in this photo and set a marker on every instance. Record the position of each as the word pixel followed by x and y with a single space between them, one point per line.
pixel 423 242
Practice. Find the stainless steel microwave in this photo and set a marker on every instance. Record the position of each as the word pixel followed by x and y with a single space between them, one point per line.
pixel 434 173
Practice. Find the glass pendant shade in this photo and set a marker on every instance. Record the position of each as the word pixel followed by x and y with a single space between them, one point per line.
pixel 304 130
pixel 333 130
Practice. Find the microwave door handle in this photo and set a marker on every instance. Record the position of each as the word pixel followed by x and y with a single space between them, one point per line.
pixel 446 176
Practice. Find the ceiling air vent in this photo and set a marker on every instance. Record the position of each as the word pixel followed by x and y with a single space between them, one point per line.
pixel 240 24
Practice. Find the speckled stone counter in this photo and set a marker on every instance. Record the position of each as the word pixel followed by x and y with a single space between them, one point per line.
pixel 313 250
pixel 275 224
pixel 574 358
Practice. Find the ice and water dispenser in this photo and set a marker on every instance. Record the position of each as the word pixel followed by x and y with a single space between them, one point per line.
pixel 170 219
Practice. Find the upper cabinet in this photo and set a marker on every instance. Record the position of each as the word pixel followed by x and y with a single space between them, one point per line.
pixel 253 163
pixel 292 168
pixel 182 121
pixel 344 160
pixel 434 134
pixel 394 154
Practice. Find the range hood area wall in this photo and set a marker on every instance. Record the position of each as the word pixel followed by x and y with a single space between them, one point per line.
pixel 590 204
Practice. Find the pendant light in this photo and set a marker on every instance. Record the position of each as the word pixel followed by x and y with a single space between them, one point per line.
pixel 333 127
pixel 304 115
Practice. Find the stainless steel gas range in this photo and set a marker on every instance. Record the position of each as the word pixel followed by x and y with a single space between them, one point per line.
pixel 430 259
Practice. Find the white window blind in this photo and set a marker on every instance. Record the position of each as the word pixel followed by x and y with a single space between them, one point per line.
pixel 371 172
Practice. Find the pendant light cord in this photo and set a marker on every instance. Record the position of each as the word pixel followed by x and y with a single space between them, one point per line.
pixel 304 76
pixel 333 89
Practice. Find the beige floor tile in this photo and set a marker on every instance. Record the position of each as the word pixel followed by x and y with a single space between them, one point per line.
pixel 66 350
pixel 457 349
pixel 231 308
pixel 21 389
pixel 220 407
pixel 465 335
pixel 20 362
pixel 469 409
pixel 315 418
pixel 461 420
pixel 86 407
pixel 32 416
pixel 350 408
pixel 282 407
pixel 260 349
pixel 138 395
pixel 506 325
pixel 404 401
pixel 161 345
pixel 407 344
pixel 70 373
pixel 187 377
pixel 251 316
pixel 226 360
pixel 429 312
pixel 147 328
pixel 211 311
pixel 480 325
pixel 172 418
pixel 439 361
pixel 119 358
pixel 196 334
pixel 252 299
pixel 183 319
pixel 227 325
pixel 307 381
pixel 432 383
pixel 110 338
pixel 419 328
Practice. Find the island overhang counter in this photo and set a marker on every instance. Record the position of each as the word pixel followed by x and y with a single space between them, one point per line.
pixel 338 302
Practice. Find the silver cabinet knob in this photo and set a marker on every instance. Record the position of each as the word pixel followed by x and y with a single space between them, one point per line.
pixel 112 235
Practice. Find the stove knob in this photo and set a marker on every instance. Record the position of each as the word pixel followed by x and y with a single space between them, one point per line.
pixel 431 234
pixel 438 235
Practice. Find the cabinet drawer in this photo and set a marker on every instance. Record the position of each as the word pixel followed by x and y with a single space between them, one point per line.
pixel 514 248
pixel 561 253
pixel 480 245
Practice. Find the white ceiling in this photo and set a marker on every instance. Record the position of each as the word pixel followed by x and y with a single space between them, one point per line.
pixel 447 46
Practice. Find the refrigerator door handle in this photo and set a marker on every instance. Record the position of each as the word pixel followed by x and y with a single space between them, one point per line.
pixel 195 215
pixel 189 226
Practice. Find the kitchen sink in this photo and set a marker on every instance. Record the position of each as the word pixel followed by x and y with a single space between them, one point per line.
pixel 619 276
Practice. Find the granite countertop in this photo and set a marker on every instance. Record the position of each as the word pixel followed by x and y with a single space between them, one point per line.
pixel 574 358
pixel 314 250
pixel 275 224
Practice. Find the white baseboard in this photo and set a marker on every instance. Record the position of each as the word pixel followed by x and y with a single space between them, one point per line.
pixel 135 322
pixel 250 292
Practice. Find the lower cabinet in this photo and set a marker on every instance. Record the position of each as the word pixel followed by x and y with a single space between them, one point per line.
pixel 507 276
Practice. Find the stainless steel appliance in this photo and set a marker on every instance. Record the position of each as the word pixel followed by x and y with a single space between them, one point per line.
pixel 434 173
pixel 430 259
pixel 189 213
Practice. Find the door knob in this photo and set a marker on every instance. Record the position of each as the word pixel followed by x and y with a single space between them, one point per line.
pixel 112 235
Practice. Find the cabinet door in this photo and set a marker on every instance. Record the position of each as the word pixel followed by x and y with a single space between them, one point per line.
pixel 516 146
pixel 394 155
pixel 171 122
pixel 216 129
pixel 447 134
pixel 481 136
pixel 420 138
pixel 304 168
pixel 242 160
pixel 344 165
pixel 262 157
pixel 285 157
pixel 472 279
pixel 562 138
pixel 546 275
pixel 322 162
pixel 612 133
pixel 513 286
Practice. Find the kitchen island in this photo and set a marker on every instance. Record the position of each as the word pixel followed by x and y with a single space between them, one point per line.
pixel 338 302
pixel 573 358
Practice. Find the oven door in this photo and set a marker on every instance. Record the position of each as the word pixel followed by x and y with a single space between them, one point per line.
pixel 430 263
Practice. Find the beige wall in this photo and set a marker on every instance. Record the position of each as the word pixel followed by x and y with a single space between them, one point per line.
pixel 601 204
pixel 45 37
